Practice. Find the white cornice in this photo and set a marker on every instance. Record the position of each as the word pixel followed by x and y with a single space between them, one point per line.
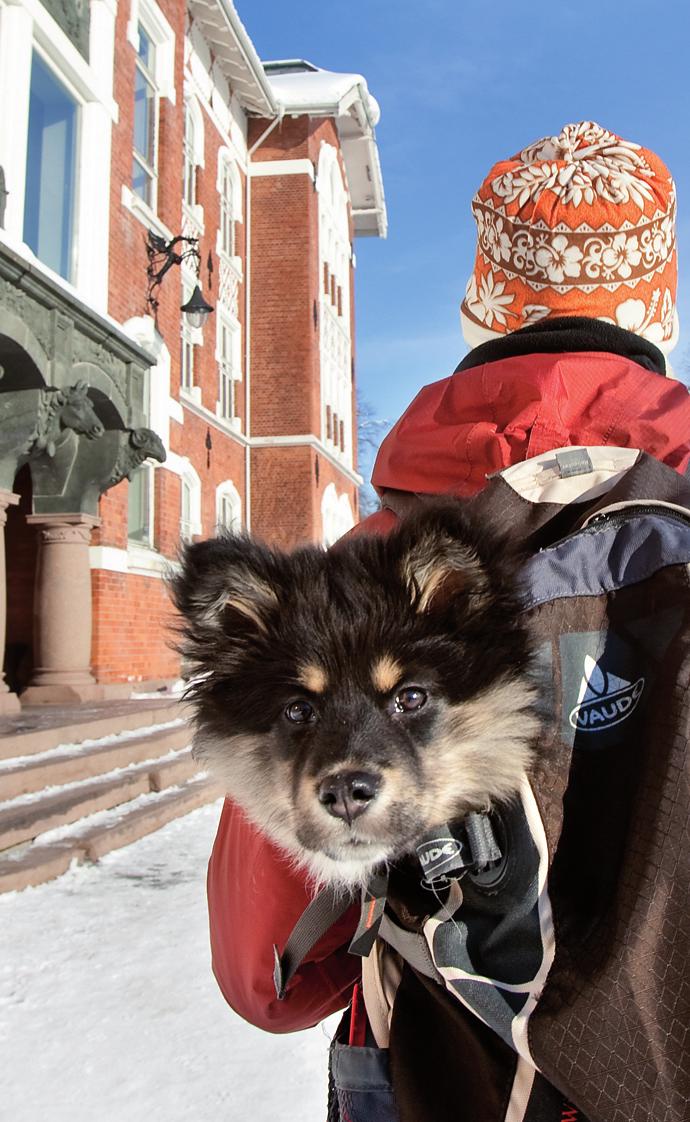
pixel 302 89
pixel 234 51
pixel 309 441
pixel 281 167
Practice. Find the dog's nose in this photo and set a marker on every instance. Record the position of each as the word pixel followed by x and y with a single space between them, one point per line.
pixel 347 794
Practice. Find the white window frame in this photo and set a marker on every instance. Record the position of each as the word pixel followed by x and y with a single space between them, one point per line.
pixel 146 471
pixel 227 492
pixel 335 335
pixel 63 79
pixel 186 358
pixel 190 337
pixel 229 366
pixel 336 515
pixel 149 15
pixel 230 203
pixel 188 161
pixel 162 35
pixel 189 479
pixel 193 159
pixel 27 27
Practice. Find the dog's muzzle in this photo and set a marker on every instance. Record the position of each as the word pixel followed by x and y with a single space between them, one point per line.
pixel 348 794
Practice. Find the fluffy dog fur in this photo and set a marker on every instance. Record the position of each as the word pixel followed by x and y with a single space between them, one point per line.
pixel 404 659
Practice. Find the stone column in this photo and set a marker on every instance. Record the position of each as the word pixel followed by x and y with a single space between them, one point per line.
pixel 62 612
pixel 9 702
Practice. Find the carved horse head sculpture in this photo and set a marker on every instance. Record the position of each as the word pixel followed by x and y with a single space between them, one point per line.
pixel 64 411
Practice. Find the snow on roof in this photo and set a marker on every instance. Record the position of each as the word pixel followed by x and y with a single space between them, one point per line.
pixel 300 87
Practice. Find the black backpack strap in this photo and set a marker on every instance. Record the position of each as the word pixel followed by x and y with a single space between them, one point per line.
pixel 327 907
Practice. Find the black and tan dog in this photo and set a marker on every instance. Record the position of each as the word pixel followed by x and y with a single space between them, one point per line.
pixel 351 700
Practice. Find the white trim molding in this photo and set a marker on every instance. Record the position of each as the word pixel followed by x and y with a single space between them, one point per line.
pixel 282 167
pixel 311 442
pixel 136 560
pixel 143 213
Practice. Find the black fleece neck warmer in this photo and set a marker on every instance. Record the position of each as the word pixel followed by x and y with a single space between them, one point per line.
pixel 572 334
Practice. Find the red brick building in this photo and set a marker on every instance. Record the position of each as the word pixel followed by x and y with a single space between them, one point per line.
pixel 270 172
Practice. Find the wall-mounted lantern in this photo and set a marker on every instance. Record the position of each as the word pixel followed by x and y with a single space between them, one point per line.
pixel 162 256
pixel 196 310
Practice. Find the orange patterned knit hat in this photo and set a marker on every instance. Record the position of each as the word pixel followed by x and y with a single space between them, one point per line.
pixel 579 224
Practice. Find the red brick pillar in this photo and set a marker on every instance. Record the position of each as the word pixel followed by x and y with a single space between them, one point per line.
pixel 62 612
pixel 9 702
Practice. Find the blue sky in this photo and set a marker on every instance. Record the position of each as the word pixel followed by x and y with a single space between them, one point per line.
pixel 462 84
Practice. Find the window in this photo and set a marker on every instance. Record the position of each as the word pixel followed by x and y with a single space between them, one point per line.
pixel 190 337
pixel 336 515
pixel 334 336
pixel 228 508
pixel 193 159
pixel 144 162
pixel 228 368
pixel 186 530
pixel 50 170
pixel 189 145
pixel 190 503
pixel 140 506
pixel 229 206
pixel 140 492
pixel 187 359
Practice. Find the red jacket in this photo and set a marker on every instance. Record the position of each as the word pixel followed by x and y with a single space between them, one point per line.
pixel 456 431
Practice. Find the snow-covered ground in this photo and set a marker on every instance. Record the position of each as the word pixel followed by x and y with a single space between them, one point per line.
pixel 109 1011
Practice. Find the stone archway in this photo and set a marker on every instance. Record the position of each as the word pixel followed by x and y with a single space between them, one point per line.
pixel 72 389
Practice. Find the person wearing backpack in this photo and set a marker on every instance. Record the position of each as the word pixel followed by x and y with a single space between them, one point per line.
pixel 558 988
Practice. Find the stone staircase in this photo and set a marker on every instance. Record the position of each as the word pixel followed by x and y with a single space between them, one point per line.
pixel 77 783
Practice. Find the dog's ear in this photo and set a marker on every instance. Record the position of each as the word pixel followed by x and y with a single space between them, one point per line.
pixel 225 585
pixel 440 562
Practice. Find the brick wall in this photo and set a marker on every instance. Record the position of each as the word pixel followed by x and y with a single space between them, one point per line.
pixel 131 612
pixel 132 629
pixel 131 634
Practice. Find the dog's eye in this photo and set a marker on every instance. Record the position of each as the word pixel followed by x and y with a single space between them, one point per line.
pixel 410 699
pixel 300 712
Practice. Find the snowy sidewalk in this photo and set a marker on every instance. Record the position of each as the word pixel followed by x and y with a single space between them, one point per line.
pixel 109 1011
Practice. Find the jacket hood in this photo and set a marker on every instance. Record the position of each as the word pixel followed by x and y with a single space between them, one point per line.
pixel 488 416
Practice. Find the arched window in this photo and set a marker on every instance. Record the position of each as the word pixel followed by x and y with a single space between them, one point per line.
pixel 193 150
pixel 336 515
pixel 230 194
pixel 228 508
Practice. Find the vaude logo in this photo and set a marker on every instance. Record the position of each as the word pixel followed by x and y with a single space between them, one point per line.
pixel 437 853
pixel 605 699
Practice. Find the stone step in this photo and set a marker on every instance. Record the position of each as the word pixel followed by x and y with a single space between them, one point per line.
pixel 68 764
pixel 24 819
pixel 41 728
pixel 91 838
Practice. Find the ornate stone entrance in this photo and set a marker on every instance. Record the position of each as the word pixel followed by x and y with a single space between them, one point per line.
pixel 72 409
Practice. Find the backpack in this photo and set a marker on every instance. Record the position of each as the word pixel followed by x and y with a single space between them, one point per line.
pixel 544 976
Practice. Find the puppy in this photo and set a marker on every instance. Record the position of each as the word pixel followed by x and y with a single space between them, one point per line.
pixel 354 699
